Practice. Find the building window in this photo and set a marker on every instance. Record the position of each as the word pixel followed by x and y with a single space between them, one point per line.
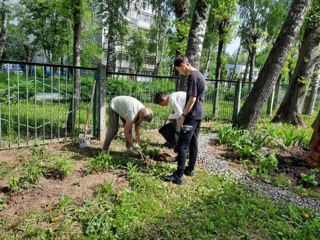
pixel 123 70
pixel 123 57
pixel 147 72
pixel 150 60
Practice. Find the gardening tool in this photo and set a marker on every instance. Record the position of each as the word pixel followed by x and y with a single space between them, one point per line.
pixel 84 139
pixel 141 153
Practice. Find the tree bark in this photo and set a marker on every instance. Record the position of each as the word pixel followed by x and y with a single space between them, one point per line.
pixel 246 69
pixel 74 105
pixel 196 37
pixel 252 62
pixel 111 58
pixel 312 96
pixel 291 106
pixel 252 108
pixel 181 9
pixel 4 25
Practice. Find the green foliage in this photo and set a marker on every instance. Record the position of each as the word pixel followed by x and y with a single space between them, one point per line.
pixel 267 164
pixel 33 171
pixel 58 168
pixel 51 29
pixel 137 49
pixel 309 180
pixel 98 163
pixel 292 136
pixel 144 91
pixel 13 184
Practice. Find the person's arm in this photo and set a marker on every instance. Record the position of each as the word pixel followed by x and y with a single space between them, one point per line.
pixel 186 110
pixel 127 130
pixel 137 131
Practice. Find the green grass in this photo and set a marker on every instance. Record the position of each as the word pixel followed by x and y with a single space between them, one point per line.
pixel 206 207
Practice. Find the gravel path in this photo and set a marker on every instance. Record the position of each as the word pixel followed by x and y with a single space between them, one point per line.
pixel 218 166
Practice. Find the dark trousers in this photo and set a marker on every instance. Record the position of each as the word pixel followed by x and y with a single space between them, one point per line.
pixel 188 143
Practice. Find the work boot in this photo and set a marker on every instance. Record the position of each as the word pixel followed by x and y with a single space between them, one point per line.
pixel 174 178
pixel 189 172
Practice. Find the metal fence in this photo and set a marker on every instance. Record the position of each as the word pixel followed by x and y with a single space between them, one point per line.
pixel 36 100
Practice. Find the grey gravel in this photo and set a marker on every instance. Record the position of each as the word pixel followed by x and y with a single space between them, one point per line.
pixel 217 165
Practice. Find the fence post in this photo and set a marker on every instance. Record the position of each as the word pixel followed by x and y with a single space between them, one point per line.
pixel 237 99
pixel 270 102
pixel 101 101
pixel 215 99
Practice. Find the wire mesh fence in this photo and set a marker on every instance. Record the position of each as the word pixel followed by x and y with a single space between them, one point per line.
pixel 37 101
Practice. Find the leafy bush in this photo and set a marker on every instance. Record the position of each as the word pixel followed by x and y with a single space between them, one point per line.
pixel 267 164
pixel 309 179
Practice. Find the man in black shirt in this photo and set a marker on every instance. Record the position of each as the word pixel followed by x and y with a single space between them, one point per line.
pixel 190 121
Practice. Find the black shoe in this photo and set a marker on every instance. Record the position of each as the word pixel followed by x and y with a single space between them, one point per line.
pixel 174 178
pixel 187 171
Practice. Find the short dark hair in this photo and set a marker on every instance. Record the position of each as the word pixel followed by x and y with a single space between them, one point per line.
pixel 158 98
pixel 179 60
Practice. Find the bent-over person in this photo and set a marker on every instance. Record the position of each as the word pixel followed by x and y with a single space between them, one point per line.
pixel 132 113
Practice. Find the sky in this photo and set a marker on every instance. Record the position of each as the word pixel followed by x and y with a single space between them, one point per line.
pixel 233 46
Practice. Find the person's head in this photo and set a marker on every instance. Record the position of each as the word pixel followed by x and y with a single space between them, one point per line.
pixel 161 99
pixel 145 114
pixel 182 65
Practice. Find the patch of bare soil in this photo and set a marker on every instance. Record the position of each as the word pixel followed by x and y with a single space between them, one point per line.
pixel 49 191
pixel 78 185
pixel 292 162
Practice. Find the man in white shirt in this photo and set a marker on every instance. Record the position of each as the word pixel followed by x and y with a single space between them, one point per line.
pixel 132 113
pixel 177 101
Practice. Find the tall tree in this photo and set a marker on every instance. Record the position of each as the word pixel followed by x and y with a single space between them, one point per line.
pixel 252 108
pixel 291 106
pixel 181 9
pixel 4 25
pixel 310 100
pixel 113 19
pixel 196 37
pixel 223 12
pixel 76 6
pixel 137 49
pixel 48 27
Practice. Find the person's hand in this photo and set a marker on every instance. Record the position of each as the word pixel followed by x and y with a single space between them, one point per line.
pixel 181 121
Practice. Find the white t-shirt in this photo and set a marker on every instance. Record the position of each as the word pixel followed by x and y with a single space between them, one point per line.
pixel 177 101
pixel 127 107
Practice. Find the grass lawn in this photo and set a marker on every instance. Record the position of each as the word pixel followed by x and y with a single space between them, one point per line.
pixel 130 200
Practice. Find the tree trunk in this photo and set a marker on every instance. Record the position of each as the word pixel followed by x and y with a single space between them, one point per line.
pixel 208 60
pixel 313 159
pixel 246 69
pixel 290 108
pixel 276 92
pixel 4 25
pixel 219 60
pixel 196 37
pixel 312 96
pixel 74 105
pixel 252 62
pixel 181 9
pixel 111 58
pixel 252 108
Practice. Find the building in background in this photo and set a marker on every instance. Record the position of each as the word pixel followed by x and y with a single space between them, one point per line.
pixel 137 18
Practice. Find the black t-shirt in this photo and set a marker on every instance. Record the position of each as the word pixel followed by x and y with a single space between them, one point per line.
pixel 197 88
